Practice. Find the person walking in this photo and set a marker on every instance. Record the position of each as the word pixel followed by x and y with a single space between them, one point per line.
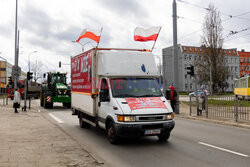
pixel 203 97
pixel 173 95
pixel 16 102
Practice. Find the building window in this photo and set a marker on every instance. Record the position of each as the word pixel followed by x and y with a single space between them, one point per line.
pixel 190 49
pixel 200 49
pixel 232 69
pixel 191 86
pixel 190 57
pixel 186 86
pixel 195 49
pixel 185 76
pixel 229 51
pixel 185 57
pixel 184 48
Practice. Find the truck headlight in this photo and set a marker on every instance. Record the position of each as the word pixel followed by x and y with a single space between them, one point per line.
pixel 122 118
pixel 169 116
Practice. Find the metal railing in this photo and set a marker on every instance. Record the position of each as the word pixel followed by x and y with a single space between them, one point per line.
pixel 225 107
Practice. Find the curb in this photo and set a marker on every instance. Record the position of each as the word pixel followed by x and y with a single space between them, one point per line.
pixel 235 124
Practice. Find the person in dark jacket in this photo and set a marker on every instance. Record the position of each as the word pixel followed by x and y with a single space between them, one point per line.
pixel 173 95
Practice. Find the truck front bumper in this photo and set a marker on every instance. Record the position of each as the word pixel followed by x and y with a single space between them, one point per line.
pixel 137 130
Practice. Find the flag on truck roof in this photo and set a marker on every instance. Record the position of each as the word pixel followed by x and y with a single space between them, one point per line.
pixel 144 35
pixel 91 34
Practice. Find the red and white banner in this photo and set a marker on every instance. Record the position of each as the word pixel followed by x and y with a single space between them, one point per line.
pixel 91 34
pixel 81 72
pixel 145 102
pixel 144 35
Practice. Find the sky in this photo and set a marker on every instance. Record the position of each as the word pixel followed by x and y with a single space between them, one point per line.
pixel 50 26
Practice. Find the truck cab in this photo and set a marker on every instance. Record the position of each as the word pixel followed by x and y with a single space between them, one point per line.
pixel 134 107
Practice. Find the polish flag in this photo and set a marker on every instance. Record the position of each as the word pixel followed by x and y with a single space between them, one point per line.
pixel 144 35
pixel 91 34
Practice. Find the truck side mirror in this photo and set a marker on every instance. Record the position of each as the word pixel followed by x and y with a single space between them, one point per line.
pixel 104 97
pixel 168 94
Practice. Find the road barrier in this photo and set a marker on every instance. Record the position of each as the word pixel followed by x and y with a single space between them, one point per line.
pixel 225 107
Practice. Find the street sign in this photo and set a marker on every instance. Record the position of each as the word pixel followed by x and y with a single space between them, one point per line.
pixel 16 71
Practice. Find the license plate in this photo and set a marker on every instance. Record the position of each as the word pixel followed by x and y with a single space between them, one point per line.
pixel 152 132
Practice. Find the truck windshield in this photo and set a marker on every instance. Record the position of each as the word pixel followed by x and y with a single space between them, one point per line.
pixel 58 79
pixel 135 87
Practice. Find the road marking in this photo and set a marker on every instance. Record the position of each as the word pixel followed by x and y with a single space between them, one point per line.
pixel 55 118
pixel 223 149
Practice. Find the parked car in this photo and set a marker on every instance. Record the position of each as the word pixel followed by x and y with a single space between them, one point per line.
pixel 199 93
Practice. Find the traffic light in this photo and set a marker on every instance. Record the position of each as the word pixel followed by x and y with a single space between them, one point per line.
pixel 60 64
pixel 10 80
pixel 29 75
pixel 190 70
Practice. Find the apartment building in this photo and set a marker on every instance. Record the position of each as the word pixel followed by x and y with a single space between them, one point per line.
pixel 244 62
pixel 186 57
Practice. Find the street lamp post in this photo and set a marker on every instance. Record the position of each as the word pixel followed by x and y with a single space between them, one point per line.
pixel 160 69
pixel 81 44
pixel 29 58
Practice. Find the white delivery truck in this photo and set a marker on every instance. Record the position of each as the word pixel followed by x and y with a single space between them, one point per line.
pixel 117 90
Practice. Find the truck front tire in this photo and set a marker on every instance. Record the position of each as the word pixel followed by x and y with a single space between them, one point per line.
pixel 164 137
pixel 112 135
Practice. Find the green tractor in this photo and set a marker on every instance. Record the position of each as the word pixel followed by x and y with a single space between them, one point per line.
pixel 55 89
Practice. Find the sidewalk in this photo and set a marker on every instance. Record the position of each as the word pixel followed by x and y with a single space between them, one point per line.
pixel 185 113
pixel 27 139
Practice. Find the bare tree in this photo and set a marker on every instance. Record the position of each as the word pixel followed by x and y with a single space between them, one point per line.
pixel 37 69
pixel 212 55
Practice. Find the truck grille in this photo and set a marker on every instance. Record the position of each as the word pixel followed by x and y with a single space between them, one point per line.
pixel 150 118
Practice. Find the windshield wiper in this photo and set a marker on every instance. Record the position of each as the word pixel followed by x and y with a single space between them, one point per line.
pixel 149 96
pixel 125 95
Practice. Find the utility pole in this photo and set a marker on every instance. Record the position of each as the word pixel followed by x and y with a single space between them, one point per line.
pixel 16 50
pixel 176 75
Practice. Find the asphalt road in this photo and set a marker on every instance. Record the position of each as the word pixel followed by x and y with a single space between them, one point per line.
pixel 192 143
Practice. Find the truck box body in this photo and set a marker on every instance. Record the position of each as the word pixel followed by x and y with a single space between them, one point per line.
pixel 85 78
pixel 116 72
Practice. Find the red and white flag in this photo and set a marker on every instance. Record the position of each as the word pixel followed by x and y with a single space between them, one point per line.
pixel 144 35
pixel 91 34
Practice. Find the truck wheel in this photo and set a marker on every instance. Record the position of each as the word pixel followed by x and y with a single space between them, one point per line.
pixel 164 137
pixel 112 136
pixel 82 123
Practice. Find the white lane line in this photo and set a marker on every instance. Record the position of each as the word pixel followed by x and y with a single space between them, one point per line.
pixel 55 118
pixel 223 149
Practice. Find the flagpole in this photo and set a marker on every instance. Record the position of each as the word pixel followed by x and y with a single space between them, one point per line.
pixel 156 40
pixel 99 39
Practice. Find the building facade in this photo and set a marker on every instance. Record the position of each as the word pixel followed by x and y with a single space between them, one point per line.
pixel 186 57
pixel 244 62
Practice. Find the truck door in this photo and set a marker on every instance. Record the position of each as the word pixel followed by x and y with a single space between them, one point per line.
pixel 104 100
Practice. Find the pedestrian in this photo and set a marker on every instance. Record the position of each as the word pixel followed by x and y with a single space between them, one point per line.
pixel 16 102
pixel 173 95
pixel 203 97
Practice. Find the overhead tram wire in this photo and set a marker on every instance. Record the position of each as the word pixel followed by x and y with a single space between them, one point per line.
pixel 207 9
